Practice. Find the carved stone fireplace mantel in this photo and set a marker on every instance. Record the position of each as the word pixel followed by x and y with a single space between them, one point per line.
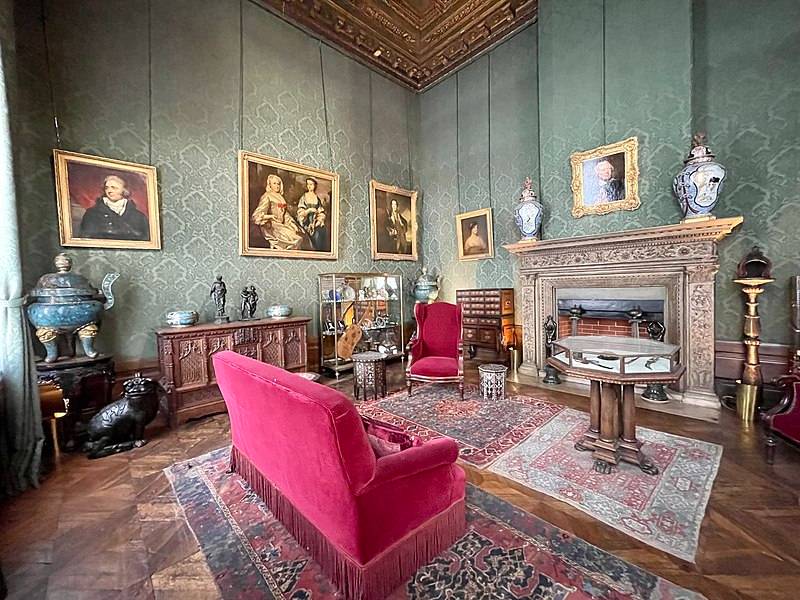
pixel 682 259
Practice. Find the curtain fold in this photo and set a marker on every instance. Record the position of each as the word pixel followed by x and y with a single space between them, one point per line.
pixel 21 435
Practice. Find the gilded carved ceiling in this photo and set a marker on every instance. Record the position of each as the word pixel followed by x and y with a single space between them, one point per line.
pixel 415 42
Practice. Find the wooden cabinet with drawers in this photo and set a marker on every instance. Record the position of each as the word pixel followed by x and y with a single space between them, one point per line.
pixel 488 317
pixel 184 356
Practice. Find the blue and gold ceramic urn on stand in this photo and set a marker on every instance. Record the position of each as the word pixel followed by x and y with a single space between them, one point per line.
pixel 65 304
pixel 528 212
pixel 699 183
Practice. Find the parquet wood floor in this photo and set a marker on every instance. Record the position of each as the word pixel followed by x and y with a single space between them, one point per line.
pixel 111 528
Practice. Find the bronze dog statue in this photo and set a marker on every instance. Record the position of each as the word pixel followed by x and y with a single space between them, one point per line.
pixel 120 426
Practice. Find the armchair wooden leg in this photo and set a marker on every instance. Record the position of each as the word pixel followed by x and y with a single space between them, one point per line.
pixel 770 449
pixel 461 389
pixel 408 387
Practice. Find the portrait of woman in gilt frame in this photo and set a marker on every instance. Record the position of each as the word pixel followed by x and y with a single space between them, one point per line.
pixel 106 203
pixel 287 209
pixel 474 233
pixel 606 179
pixel 393 220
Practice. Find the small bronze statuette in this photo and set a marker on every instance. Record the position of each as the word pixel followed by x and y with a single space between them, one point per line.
pixel 249 303
pixel 218 291
pixel 253 301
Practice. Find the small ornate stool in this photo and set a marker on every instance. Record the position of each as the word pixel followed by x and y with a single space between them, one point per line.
pixel 369 369
pixel 493 381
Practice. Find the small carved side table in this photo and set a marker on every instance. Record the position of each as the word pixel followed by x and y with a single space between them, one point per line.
pixel 369 370
pixel 86 384
pixel 493 381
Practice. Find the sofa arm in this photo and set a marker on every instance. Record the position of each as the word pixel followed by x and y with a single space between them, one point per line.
pixel 432 454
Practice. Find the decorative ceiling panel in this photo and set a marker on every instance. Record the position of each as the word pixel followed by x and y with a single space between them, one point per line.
pixel 415 42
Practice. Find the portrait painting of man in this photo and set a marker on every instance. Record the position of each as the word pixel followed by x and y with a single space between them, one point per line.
pixel 474 231
pixel 393 218
pixel 606 179
pixel 106 203
pixel 287 209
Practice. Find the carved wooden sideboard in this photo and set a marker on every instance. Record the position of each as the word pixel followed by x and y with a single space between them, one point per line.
pixel 184 356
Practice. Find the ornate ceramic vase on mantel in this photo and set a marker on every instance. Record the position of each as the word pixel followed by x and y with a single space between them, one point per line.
pixel 699 183
pixel 528 212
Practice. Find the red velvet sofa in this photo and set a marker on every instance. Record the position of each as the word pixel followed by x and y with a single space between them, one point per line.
pixel 369 522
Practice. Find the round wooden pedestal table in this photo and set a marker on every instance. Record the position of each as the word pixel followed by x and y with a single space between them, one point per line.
pixel 613 365
pixel 369 373
pixel 493 381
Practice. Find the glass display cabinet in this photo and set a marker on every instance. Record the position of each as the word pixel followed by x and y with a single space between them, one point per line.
pixel 614 354
pixel 373 300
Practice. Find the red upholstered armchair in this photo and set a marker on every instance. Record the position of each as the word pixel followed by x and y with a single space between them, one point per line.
pixel 435 352
pixel 369 522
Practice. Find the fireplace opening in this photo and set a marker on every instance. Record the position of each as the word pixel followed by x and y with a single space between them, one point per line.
pixel 609 311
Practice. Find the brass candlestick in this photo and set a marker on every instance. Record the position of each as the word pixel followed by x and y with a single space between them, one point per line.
pixel 753 273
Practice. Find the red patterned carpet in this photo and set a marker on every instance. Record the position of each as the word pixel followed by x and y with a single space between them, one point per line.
pixel 483 430
pixel 506 553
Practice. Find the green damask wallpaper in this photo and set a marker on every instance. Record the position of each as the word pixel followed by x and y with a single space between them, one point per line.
pixel 601 71
pixel 483 117
pixel 746 94
pixel 170 96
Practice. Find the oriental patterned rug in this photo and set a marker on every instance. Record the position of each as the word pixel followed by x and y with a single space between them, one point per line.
pixel 506 553
pixel 483 429
pixel 531 441
pixel 664 511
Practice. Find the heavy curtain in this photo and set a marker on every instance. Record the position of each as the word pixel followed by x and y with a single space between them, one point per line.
pixel 21 434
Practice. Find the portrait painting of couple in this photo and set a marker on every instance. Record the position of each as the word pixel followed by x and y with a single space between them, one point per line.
pixel 287 209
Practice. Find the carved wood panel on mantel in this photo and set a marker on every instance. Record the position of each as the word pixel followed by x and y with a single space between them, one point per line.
pixel 681 258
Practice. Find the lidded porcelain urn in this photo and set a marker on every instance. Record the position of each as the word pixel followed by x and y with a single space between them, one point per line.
pixel 699 183
pixel 528 212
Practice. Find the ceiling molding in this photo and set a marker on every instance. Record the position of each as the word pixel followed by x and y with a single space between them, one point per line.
pixel 415 42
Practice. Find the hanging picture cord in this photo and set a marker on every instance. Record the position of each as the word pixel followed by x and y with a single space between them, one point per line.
pixel 371 138
pixel 325 107
pixel 489 123
pixel 241 74
pixel 149 82
pixel 603 71
pixel 458 161
pixel 408 143
pixel 48 66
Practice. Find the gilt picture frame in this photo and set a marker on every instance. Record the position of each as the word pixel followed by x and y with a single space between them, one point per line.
pixel 475 235
pixel 287 209
pixel 393 222
pixel 106 203
pixel 606 179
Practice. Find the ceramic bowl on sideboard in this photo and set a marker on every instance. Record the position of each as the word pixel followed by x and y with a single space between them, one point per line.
pixel 182 318
pixel 279 311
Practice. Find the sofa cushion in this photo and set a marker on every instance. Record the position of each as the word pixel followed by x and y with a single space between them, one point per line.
pixel 386 438
pixel 435 366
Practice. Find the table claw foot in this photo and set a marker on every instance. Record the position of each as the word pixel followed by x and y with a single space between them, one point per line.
pixel 648 466
pixel 601 466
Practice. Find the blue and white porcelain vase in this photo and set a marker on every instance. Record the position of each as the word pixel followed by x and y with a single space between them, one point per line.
pixel 699 183
pixel 528 212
